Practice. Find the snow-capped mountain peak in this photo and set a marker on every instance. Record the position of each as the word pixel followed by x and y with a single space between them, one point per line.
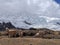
pixel 31 13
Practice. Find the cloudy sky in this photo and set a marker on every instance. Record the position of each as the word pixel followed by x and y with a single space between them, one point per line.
pixel 16 11
pixel 39 7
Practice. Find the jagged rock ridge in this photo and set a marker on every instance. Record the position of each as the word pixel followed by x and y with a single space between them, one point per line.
pixel 4 25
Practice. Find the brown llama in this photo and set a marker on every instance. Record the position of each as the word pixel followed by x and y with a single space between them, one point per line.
pixel 11 32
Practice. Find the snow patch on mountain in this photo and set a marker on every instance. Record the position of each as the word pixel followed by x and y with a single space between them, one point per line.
pixel 35 21
pixel 48 22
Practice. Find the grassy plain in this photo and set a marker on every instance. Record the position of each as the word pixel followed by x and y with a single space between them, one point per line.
pixel 29 41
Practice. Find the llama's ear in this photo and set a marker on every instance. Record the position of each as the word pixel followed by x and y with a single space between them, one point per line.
pixel 27 23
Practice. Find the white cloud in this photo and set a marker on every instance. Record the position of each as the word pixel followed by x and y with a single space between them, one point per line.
pixel 40 7
pixel 18 10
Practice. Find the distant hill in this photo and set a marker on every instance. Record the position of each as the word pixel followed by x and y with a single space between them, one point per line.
pixel 4 25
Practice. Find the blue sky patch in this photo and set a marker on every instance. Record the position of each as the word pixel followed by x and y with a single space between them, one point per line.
pixel 58 1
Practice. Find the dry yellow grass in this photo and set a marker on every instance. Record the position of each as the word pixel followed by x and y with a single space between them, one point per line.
pixel 29 41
